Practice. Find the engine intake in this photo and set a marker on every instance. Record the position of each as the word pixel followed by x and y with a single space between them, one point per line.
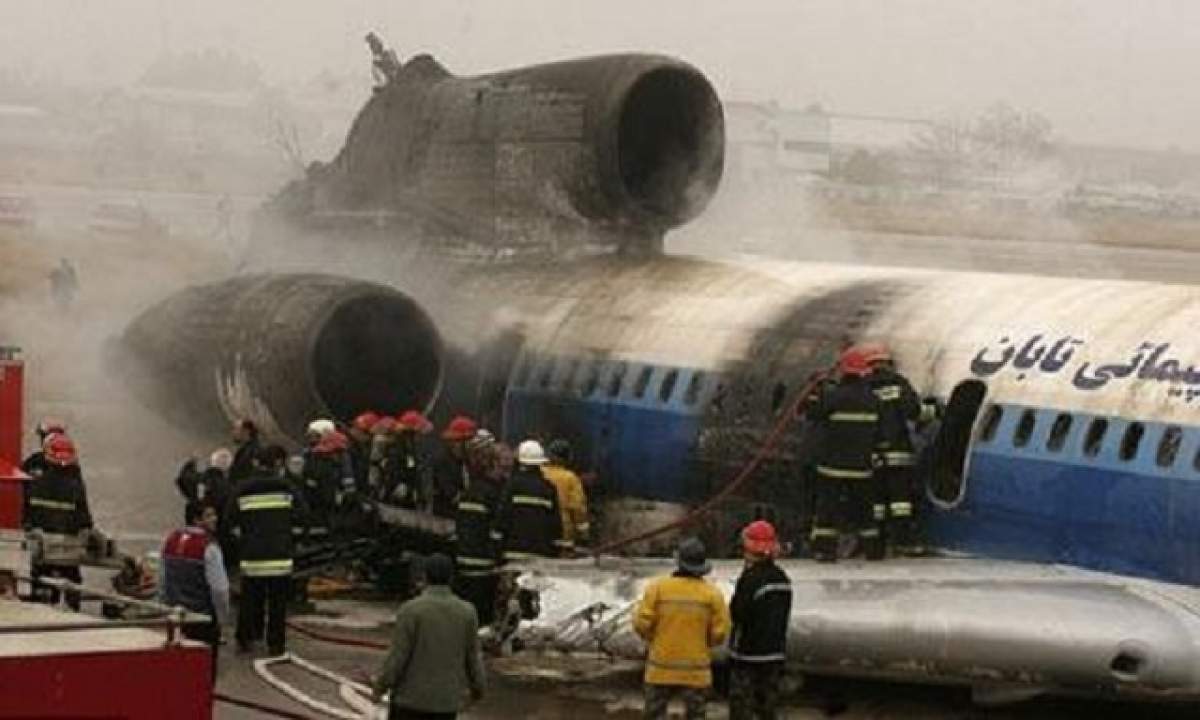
pixel 282 350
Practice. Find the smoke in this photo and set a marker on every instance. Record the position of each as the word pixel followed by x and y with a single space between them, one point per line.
pixel 128 454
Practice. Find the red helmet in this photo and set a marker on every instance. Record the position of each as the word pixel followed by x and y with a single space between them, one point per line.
pixel 60 450
pixel 759 538
pixel 414 421
pixel 331 442
pixel 854 362
pixel 460 428
pixel 875 352
pixel 365 421
pixel 384 426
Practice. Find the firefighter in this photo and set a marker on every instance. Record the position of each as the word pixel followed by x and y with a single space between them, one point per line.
pixel 193 576
pixel 56 503
pixel 383 440
pixel 475 534
pixel 246 444
pixel 210 485
pixel 681 617
pixel 409 470
pixel 325 482
pixel 450 471
pixel 572 500
pixel 263 512
pixel 847 417
pixel 899 405
pixel 358 452
pixel 35 464
pixel 761 608
pixel 529 523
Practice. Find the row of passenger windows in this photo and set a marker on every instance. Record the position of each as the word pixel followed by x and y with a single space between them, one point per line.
pixel 1093 439
pixel 594 377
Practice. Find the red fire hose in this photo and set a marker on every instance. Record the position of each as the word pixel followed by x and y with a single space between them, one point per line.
pixel 794 411
pixel 337 639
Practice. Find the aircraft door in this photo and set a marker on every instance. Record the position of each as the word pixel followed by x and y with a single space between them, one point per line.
pixel 945 460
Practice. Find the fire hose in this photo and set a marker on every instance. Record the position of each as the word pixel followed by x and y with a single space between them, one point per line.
pixel 793 412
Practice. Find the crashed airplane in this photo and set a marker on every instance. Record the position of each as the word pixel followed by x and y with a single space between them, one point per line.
pixel 526 212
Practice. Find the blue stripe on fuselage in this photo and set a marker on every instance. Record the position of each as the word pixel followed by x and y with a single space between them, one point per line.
pixel 640 446
pixel 1131 517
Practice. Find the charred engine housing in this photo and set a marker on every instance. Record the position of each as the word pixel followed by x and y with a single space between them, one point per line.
pixel 612 149
pixel 284 349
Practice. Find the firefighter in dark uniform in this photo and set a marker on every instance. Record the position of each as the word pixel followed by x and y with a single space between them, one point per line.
pixel 475 535
pixel 899 405
pixel 761 610
pixel 262 512
pixel 56 503
pixel 847 418
pixel 451 471
pixel 529 522
pixel 35 464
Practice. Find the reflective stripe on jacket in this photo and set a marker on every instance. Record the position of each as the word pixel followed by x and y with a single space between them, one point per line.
pixel 761 610
pixel 681 618
pixel 264 510
pixel 528 518
pixel 847 416
pixel 898 406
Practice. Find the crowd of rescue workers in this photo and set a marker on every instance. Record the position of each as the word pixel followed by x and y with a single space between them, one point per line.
pixel 248 506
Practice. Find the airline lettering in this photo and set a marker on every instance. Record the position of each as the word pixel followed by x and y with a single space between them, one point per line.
pixel 1148 362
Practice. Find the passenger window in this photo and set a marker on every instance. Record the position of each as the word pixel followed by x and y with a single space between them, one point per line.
pixel 778 395
pixel 617 380
pixel 1131 441
pixel 692 393
pixel 642 382
pixel 567 381
pixel 593 380
pixel 547 373
pixel 1058 432
pixel 1168 447
pixel 1024 428
pixel 991 423
pixel 668 385
pixel 525 370
pixel 1095 437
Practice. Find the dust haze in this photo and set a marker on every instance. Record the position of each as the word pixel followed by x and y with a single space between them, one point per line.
pixel 137 138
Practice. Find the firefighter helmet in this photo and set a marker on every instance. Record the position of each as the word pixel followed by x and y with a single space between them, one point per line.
pixel 758 538
pixel 875 352
pixel 530 452
pixel 853 362
pixel 414 421
pixel 461 428
pixel 60 450
pixel 365 421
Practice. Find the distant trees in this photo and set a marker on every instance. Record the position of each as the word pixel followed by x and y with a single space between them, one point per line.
pixel 1000 142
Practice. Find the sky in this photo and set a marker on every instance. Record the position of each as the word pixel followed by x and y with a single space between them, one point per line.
pixel 1103 71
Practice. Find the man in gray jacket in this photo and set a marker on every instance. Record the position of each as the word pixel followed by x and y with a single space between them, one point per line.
pixel 435 659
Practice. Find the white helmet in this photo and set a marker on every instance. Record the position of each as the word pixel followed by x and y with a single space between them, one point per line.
pixel 221 459
pixel 530 452
pixel 321 427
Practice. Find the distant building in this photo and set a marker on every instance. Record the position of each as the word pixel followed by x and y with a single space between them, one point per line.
pixel 764 140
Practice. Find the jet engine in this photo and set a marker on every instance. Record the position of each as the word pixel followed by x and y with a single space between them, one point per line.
pixel 610 150
pixel 282 350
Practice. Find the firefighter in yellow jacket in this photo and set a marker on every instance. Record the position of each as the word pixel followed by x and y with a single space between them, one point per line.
pixel 681 617
pixel 572 501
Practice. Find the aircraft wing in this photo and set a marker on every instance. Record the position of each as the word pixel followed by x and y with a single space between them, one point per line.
pixel 991 624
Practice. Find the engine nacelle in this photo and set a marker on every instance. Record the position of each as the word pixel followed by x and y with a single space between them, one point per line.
pixel 283 350
pixel 609 150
